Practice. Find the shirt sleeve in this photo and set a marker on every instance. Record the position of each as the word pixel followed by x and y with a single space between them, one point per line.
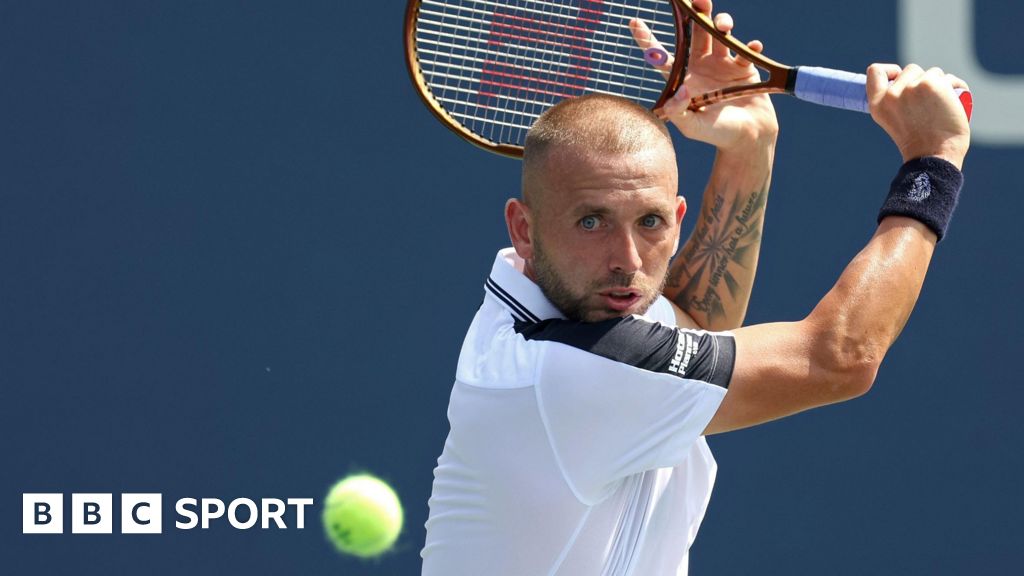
pixel 625 395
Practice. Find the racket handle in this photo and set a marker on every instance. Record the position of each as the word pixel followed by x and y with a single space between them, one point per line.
pixel 845 90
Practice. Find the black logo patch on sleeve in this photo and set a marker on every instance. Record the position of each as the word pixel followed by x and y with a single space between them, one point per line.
pixel 691 354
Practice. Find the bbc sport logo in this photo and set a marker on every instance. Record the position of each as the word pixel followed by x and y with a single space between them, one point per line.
pixel 93 513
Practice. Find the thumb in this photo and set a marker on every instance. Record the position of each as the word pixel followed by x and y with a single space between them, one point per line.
pixel 676 109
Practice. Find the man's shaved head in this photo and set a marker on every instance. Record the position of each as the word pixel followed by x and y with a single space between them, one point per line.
pixel 599 216
pixel 591 124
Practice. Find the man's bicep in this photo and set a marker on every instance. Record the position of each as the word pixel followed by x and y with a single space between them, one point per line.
pixel 607 420
pixel 778 371
pixel 625 395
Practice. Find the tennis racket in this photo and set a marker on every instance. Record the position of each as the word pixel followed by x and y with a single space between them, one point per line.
pixel 488 68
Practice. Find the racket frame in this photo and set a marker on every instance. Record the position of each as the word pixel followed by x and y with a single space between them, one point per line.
pixel 781 78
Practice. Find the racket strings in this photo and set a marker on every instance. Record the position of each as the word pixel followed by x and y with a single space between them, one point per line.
pixel 534 11
pixel 610 68
pixel 553 47
pixel 496 66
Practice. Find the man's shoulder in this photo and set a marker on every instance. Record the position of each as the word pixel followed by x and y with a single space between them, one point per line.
pixel 493 355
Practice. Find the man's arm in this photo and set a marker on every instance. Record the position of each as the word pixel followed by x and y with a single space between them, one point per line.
pixel 711 279
pixel 834 353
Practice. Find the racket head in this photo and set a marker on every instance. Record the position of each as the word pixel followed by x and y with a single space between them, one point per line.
pixel 488 68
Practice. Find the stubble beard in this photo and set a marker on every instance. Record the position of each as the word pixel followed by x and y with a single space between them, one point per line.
pixel 574 305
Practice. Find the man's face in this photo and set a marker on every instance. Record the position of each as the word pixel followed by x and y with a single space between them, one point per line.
pixel 603 230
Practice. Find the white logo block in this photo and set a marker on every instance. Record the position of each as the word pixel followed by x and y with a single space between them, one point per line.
pixel 42 513
pixel 141 514
pixel 92 513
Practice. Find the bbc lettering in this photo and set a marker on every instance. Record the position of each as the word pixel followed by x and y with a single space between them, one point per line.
pixel 143 513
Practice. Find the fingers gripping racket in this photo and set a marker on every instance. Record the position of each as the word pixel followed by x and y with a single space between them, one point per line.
pixel 488 68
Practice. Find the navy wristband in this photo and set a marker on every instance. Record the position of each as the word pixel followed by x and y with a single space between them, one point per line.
pixel 927 190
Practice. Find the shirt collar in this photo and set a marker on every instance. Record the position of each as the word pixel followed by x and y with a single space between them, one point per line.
pixel 515 291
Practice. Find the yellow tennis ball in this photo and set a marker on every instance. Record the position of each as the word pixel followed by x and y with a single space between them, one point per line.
pixel 362 516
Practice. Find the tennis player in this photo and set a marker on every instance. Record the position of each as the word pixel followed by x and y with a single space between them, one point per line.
pixel 583 394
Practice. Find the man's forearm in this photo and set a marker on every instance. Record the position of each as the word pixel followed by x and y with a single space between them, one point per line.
pixel 712 277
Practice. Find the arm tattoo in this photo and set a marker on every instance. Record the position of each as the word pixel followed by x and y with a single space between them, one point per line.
pixel 725 234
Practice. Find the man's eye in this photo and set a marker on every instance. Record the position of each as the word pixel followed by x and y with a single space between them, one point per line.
pixel 650 221
pixel 589 222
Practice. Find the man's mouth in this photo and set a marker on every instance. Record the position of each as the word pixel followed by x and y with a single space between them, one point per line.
pixel 620 299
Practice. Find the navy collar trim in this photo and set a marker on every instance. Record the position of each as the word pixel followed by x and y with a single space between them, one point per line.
pixel 518 310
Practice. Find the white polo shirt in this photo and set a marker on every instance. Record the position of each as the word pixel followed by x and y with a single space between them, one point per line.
pixel 575 448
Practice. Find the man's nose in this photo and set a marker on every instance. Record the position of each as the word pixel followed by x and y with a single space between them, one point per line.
pixel 624 254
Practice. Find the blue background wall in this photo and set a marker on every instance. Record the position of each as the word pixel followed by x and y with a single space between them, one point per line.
pixel 237 257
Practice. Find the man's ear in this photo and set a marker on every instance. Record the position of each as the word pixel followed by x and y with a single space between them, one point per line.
pixel 680 212
pixel 517 218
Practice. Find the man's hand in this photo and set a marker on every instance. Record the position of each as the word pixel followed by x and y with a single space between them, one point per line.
pixel 732 125
pixel 919 111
